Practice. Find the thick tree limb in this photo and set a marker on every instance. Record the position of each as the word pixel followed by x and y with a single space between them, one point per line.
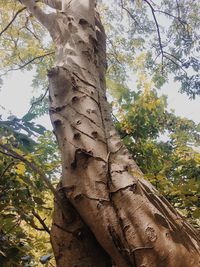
pixel 56 4
pixel 41 16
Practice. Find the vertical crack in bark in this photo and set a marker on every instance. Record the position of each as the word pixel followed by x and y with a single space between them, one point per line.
pixel 106 118
pixel 124 247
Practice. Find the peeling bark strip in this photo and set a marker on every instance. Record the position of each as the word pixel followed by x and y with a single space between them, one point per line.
pixel 129 219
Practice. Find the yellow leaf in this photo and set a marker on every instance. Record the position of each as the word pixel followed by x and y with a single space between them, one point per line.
pixel 20 180
pixel 20 168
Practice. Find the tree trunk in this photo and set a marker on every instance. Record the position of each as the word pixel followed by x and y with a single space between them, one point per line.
pixel 73 242
pixel 129 219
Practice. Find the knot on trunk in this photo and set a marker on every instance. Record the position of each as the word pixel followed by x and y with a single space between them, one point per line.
pixel 81 158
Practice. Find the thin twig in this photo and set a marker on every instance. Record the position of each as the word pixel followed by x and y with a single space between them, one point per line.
pixel 158 32
pixel 27 63
pixel 31 32
pixel 41 221
pixel 163 53
pixel 178 10
pixel 6 168
pixel 38 100
pixel 177 59
pixel 170 15
pixel 131 15
pixel 11 153
pixel 114 54
pixel 31 165
pixel 12 20
pixel 174 62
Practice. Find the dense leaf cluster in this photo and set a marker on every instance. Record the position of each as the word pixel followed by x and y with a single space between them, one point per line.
pixel 165 146
pixel 26 202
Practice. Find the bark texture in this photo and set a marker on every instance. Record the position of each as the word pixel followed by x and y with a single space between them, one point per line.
pixel 72 241
pixel 130 220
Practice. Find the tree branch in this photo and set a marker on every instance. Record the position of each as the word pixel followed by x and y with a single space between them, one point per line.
pixel 114 52
pixel 177 59
pixel 11 153
pixel 33 59
pixel 44 18
pixel 163 53
pixel 6 168
pixel 41 221
pixel 56 4
pixel 178 10
pixel 158 32
pixel 26 26
pixel 170 56
pixel 170 15
pixel 38 100
pixel 131 15
pixel 25 64
pixel 12 20
pixel 31 165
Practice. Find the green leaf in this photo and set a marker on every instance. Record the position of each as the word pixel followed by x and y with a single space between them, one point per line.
pixel 38 200
pixel 28 117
